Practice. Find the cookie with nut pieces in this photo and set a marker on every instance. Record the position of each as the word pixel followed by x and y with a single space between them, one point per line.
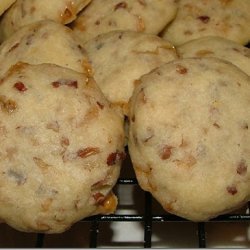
pixel 62 145
pixel 217 47
pixel 120 58
pixel 138 15
pixel 225 18
pixel 189 137
pixel 24 12
pixel 44 42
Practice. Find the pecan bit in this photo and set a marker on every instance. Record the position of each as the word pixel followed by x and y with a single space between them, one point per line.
pixel 181 70
pixel 54 125
pixel 101 106
pixel 67 14
pixel 99 197
pixel 232 190
pixel 13 47
pixel 69 83
pixel 40 163
pixel 140 24
pixel 166 152
pixel 86 152
pixel 20 86
pixel 120 5
pixel 216 125
pixel 113 158
pixel 204 19
pixel 64 141
pixel 242 168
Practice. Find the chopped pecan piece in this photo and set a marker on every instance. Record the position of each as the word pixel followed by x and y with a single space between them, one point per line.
pixel 86 152
pixel 20 86
pixel 122 5
pixel 115 157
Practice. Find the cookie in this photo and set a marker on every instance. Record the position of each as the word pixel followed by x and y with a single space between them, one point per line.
pixel 119 58
pixel 137 15
pixel 225 18
pixel 61 148
pixel 5 4
pixel 44 42
pixel 189 137
pixel 25 12
pixel 218 47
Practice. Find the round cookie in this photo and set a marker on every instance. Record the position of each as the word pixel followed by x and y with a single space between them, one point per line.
pixel 225 18
pixel 217 47
pixel 119 58
pixel 25 12
pixel 5 4
pixel 61 148
pixel 138 15
pixel 189 137
pixel 44 42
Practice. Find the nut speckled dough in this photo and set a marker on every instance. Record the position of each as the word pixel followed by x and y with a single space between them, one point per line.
pixel 61 148
pixel 189 137
pixel 225 18
pixel 24 12
pixel 220 48
pixel 119 58
pixel 5 4
pixel 149 16
pixel 44 42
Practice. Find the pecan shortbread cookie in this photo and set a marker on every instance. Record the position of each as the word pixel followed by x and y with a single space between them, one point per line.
pixel 61 148
pixel 189 137
pixel 44 42
pixel 218 47
pixel 119 58
pixel 225 18
pixel 25 12
pixel 149 16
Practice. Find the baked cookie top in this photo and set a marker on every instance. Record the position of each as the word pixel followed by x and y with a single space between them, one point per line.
pixel 5 4
pixel 44 42
pixel 225 18
pixel 217 47
pixel 138 15
pixel 119 58
pixel 189 136
pixel 61 148
pixel 24 12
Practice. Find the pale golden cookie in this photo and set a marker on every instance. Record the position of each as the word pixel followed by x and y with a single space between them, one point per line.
pixel 138 15
pixel 189 137
pixel 61 148
pixel 220 48
pixel 119 58
pixel 225 18
pixel 44 42
pixel 24 12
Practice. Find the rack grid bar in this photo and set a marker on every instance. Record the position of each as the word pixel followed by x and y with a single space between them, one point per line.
pixel 148 221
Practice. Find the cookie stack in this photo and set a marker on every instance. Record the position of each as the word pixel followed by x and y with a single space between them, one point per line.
pixel 71 74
